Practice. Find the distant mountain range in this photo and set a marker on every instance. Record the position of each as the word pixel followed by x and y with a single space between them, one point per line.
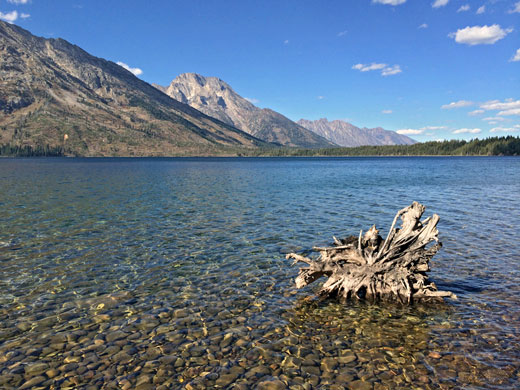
pixel 216 98
pixel 345 134
pixel 55 94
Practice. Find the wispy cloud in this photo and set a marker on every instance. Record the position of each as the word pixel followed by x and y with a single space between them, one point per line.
pixel 480 35
pixel 367 67
pixel 424 25
pixel 25 16
pixel 391 70
pixel 493 119
pixel 476 112
pixel 135 71
pixel 18 2
pixel 481 10
pixel 515 9
pixel 420 130
pixel 505 129
pixel 385 69
pixel 252 100
pixel 9 17
pixel 286 42
pixel 464 8
pixel 434 128
pixel 459 104
pixel 439 3
pixel 466 131
pixel 320 97
pixel 386 112
pixel 342 33
pixel 389 2
pixel 508 104
pixel 516 57
pixel 511 111
pixel 409 131
pixel 505 108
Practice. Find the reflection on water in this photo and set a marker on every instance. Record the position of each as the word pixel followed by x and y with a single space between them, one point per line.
pixel 170 273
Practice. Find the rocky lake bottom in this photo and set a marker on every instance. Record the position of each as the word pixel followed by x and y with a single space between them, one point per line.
pixel 171 274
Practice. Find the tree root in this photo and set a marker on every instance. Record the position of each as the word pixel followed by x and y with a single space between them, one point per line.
pixel 366 267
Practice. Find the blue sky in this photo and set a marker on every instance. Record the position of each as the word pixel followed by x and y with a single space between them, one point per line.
pixel 437 69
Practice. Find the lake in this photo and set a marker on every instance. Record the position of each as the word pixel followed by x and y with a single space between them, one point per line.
pixel 171 273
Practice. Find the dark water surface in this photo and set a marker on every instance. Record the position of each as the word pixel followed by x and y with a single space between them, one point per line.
pixel 170 273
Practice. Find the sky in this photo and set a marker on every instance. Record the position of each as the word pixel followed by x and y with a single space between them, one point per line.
pixel 432 69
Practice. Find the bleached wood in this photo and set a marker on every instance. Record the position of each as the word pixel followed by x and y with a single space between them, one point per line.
pixel 366 267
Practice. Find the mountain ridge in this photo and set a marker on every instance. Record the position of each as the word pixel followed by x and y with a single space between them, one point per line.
pixel 346 134
pixel 216 98
pixel 55 94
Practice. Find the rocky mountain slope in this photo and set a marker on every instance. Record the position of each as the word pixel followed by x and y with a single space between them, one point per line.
pixel 54 94
pixel 346 134
pixel 215 98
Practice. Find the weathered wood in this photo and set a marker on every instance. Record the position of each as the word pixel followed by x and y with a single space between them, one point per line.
pixel 366 267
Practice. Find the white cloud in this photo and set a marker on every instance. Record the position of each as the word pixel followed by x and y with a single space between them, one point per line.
pixel 341 33
pixel 135 71
pixel 512 111
pixel 516 57
pixel 505 108
pixel 476 112
pixel 516 9
pixel 439 3
pixel 367 68
pixel 420 131
pixel 409 131
pixel 508 104
pixel 493 119
pixel 391 70
pixel 389 2
pixel 433 128
pixel 18 1
pixel 505 129
pixel 459 104
pixel 320 97
pixel 467 131
pixel 385 69
pixel 386 112
pixel 9 17
pixel 286 42
pixel 25 16
pixel 424 25
pixel 480 35
pixel 252 100
pixel 464 8
pixel 481 10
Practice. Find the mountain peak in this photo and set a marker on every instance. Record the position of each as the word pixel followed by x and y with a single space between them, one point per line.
pixel 202 81
pixel 216 98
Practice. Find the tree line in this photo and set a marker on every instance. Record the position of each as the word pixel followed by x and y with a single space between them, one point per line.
pixel 494 146
pixel 31 151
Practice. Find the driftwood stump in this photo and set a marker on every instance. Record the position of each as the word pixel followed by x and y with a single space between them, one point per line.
pixel 366 267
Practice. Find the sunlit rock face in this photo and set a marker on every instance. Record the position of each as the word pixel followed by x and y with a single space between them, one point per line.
pixel 216 98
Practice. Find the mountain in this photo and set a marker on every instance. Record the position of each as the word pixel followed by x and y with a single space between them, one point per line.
pixel 55 95
pixel 346 134
pixel 215 98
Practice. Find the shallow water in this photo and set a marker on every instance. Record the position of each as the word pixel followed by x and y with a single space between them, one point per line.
pixel 170 273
